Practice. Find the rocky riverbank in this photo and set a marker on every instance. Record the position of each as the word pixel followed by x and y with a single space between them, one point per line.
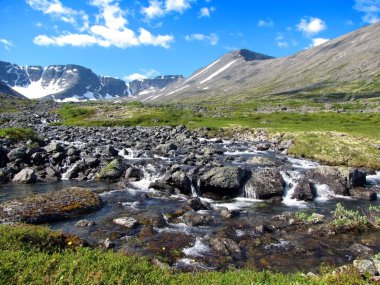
pixel 189 201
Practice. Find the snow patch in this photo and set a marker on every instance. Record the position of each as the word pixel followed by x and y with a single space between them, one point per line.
pixel 218 72
pixel 202 71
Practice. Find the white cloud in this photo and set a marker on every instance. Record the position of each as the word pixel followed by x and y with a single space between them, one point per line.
pixel 154 10
pixel 206 12
pixel 265 23
pixel 370 8
pixel 158 8
pixel 7 44
pixel 57 10
pixel 282 44
pixel 349 23
pixel 150 73
pixel 177 5
pixel 110 30
pixel 318 41
pixel 311 26
pixel 212 39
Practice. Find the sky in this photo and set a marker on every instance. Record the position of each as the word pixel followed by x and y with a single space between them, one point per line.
pixel 134 39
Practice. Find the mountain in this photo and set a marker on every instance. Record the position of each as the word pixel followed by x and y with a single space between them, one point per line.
pixel 7 92
pixel 72 82
pixel 349 64
pixel 152 85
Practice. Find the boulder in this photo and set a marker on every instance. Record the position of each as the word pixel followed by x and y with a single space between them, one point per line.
pixel 49 207
pixel 27 176
pixel 126 222
pixel 357 178
pixel 165 148
pixel 223 182
pixel 54 147
pixel 17 153
pixel 226 246
pixel 363 193
pixel 303 190
pixel 84 223
pixel 265 184
pixel 133 173
pixel 263 146
pixel 112 171
pixel 196 219
pixel 365 266
pixel 330 176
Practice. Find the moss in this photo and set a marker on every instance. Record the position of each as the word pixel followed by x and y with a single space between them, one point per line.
pixel 19 134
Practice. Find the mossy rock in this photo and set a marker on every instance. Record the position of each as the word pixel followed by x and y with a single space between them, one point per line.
pixel 49 207
pixel 112 171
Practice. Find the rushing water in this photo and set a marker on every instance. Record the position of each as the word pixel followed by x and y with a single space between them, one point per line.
pixel 277 253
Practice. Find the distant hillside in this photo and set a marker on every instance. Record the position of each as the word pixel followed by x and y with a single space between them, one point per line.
pixel 74 82
pixel 349 64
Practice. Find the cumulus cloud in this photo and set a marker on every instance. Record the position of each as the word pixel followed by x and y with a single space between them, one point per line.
pixel 265 23
pixel 311 26
pixel 370 8
pixel 158 8
pixel 7 44
pixel 318 41
pixel 110 28
pixel 143 75
pixel 212 39
pixel 57 10
pixel 206 12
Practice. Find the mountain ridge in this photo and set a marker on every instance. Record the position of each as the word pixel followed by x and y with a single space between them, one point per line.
pixel 348 64
pixel 72 82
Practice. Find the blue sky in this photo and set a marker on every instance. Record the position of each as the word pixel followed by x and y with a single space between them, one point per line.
pixel 137 38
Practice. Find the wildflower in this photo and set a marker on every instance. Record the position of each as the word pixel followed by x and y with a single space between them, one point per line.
pixel 70 243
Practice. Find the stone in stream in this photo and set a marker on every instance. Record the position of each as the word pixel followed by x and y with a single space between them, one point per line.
pixel 126 222
pixel 226 246
pixel 303 190
pixel 363 193
pixel 357 178
pixel 133 174
pixel 84 223
pixel 17 153
pixel 265 184
pixel 50 207
pixel 112 171
pixel 195 219
pixel 26 176
pixel 330 176
pixel 223 182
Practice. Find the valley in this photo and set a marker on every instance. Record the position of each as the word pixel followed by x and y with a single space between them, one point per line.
pixel 253 169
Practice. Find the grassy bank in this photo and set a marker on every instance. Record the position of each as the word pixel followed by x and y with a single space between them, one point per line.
pixel 36 255
pixel 349 138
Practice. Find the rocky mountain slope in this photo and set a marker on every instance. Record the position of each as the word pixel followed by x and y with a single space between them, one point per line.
pixel 349 64
pixel 7 92
pixel 73 82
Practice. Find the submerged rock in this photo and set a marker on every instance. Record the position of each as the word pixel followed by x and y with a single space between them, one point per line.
pixel 363 194
pixel 49 207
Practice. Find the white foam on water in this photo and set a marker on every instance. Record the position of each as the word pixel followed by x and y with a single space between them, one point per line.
pixel 280 244
pixel 237 204
pixel 65 176
pixel 291 178
pixel 127 153
pixel 324 193
pixel 373 179
pixel 191 262
pixel 302 163
pixel 246 152
pixel 240 233
pixel 198 249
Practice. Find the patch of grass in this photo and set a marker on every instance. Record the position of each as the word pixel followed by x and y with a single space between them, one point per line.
pixel 334 148
pixel 19 134
pixel 29 255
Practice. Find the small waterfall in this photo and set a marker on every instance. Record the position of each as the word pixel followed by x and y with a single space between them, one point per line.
pixel 66 175
pixel 323 193
pixel 373 179
pixel 126 153
pixel 291 178
pixel 249 192
pixel 194 186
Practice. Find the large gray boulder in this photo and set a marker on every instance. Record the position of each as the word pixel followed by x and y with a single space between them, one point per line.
pixel 17 153
pixel 27 176
pixel 357 178
pixel 265 184
pixel 330 176
pixel 112 171
pixel 223 182
pixel 303 190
